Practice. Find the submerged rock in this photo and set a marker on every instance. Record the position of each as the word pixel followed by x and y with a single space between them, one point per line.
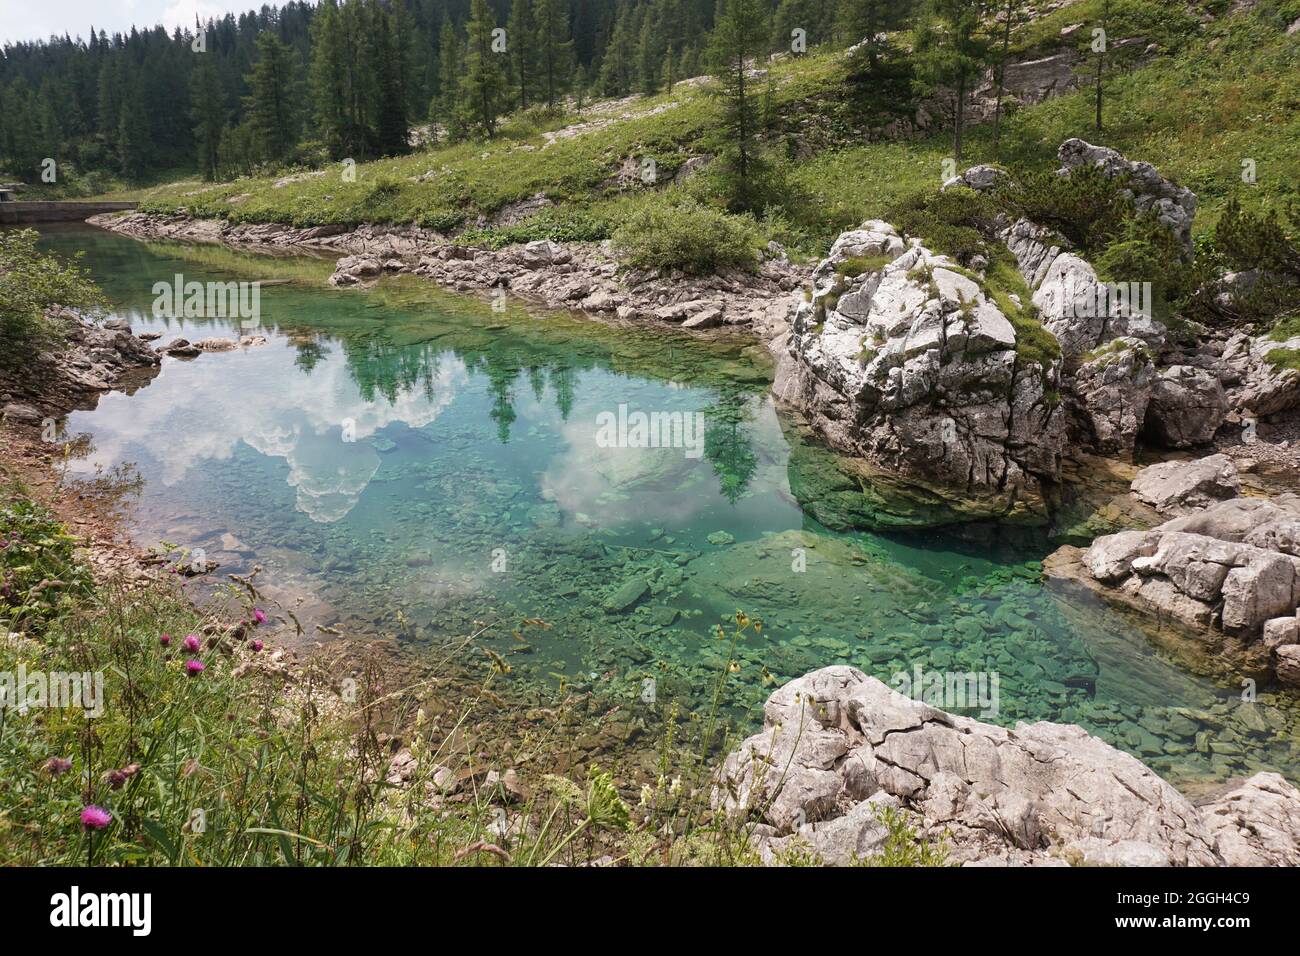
pixel 631 591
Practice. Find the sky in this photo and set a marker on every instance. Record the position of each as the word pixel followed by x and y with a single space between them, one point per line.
pixel 38 19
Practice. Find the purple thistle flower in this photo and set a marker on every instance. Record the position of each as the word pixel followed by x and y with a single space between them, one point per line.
pixel 165 640
pixel 95 818
pixel 257 645
pixel 194 668
pixel 57 765
pixel 191 643
pixel 259 615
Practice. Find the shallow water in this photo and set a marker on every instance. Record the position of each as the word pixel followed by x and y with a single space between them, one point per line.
pixel 405 462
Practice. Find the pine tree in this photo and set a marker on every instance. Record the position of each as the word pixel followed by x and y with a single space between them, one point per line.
pixel 209 117
pixel 484 80
pixel 950 53
pixel 618 68
pixel 447 108
pixel 1010 14
pixel 521 38
pixel 555 48
pixel 739 34
pixel 271 104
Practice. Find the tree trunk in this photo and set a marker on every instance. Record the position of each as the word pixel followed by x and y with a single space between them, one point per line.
pixel 1002 73
pixel 958 121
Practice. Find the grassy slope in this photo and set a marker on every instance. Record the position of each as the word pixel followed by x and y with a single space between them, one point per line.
pixel 1221 94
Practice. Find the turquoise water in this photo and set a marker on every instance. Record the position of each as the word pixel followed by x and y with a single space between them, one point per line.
pixel 404 463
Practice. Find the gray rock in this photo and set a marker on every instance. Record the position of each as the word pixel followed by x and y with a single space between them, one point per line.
pixel 1112 391
pixel 1187 407
pixel 1255 823
pixel 23 414
pixel 1182 487
pixel 1040 793
pixel 631 591
pixel 911 367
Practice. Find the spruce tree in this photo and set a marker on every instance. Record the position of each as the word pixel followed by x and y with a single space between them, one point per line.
pixel 484 80
pixel 739 34
pixel 271 104
pixel 209 117
pixel 521 38
pixel 950 53
pixel 555 48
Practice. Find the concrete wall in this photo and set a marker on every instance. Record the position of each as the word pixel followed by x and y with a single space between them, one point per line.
pixel 15 213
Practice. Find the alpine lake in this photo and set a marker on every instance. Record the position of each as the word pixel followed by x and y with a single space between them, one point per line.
pixel 404 462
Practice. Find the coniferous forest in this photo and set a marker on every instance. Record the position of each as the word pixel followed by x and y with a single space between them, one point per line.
pixel 354 78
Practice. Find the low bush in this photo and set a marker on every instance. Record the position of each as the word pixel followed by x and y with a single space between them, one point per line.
pixel 677 232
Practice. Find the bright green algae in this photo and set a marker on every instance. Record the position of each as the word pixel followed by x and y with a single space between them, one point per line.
pixel 475 490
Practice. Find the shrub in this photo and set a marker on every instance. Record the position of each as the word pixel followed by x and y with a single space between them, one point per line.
pixel 1087 207
pixel 31 282
pixel 577 226
pixel 38 562
pixel 676 232
pixel 953 222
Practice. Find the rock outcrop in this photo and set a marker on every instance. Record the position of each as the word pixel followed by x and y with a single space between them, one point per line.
pixel 1187 407
pixel 91 360
pixel 1231 569
pixel 898 356
pixel 838 748
pixel 1183 487
pixel 1110 392
pixel 1173 206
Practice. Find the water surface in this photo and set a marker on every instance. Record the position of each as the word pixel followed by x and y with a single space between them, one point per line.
pixel 404 462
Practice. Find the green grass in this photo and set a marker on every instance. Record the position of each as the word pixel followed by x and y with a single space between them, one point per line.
pixel 1213 97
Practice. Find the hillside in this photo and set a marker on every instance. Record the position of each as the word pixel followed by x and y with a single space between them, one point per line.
pixel 1211 93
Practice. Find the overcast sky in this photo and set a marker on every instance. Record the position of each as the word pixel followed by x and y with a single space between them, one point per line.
pixel 38 19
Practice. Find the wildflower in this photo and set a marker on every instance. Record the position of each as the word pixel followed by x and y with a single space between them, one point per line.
pixel 194 667
pixel 57 765
pixel 95 818
pixel 257 645
pixel 191 643
pixel 116 778
pixel 647 795
pixel 675 785
pixel 259 615
pixel 165 640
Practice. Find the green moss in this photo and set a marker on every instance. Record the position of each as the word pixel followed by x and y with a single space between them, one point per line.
pixel 1283 359
pixel 855 266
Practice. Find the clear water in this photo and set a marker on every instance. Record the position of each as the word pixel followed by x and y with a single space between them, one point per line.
pixel 405 462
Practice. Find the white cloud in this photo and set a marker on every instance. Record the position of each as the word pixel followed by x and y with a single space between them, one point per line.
pixel 26 20
pixel 187 417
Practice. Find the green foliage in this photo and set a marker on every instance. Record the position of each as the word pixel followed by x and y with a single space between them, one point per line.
pixel 1087 207
pixel 953 221
pixel 1283 359
pixel 738 36
pixel 558 226
pixel 39 566
pixel 30 283
pixel 676 232
pixel 904 846
pixel 272 101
